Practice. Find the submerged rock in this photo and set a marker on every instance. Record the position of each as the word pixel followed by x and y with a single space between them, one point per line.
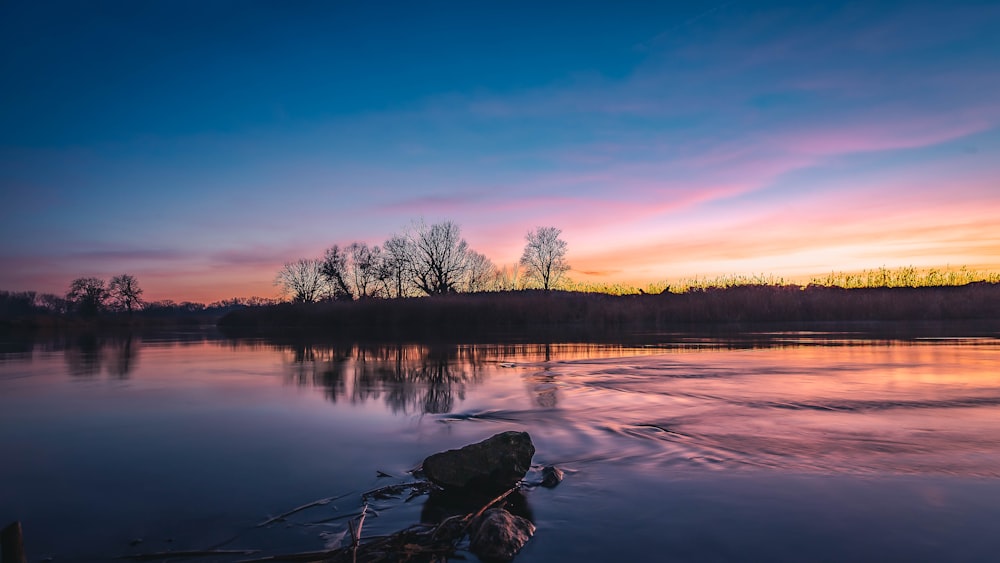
pixel 498 535
pixel 493 465
pixel 551 476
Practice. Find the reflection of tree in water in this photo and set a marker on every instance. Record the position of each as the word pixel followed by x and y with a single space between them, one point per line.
pixel 543 385
pixel 427 378
pixel 428 385
pixel 409 378
pixel 86 354
pixel 321 367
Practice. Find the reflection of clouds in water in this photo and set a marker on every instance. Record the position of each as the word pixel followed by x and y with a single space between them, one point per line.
pixel 902 408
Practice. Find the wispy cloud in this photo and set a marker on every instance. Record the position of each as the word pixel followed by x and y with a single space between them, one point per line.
pixel 434 203
pixel 127 254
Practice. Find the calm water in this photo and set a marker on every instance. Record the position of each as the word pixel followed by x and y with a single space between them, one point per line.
pixel 784 447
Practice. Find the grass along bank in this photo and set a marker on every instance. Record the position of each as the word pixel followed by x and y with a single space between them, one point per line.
pixel 883 277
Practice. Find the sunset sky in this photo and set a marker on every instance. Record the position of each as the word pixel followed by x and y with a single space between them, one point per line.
pixel 199 145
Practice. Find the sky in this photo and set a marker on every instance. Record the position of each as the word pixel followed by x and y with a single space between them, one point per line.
pixel 200 145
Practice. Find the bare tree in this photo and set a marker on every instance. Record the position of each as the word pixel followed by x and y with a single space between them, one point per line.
pixel 395 271
pixel 54 303
pixel 438 257
pixel 125 293
pixel 364 268
pixel 544 257
pixel 87 295
pixel 303 280
pixel 334 270
pixel 480 272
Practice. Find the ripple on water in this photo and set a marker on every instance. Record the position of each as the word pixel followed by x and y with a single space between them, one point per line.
pixel 874 409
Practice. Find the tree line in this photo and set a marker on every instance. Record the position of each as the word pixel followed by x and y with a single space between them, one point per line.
pixel 422 260
pixel 87 296
pixel 91 296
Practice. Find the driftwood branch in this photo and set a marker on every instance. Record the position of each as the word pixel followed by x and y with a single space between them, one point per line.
pixel 340 517
pixel 491 503
pixel 357 534
pixel 393 490
pixel 419 540
pixel 282 516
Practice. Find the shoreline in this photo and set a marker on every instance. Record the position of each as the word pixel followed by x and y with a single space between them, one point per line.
pixel 539 313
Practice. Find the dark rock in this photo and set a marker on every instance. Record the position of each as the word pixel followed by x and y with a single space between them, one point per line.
pixel 442 504
pixel 551 476
pixel 498 535
pixel 493 465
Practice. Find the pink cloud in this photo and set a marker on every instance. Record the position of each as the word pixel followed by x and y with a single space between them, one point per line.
pixel 810 236
pixel 885 134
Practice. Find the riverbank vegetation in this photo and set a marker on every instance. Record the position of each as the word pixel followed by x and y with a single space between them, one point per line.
pixel 870 295
pixel 883 277
pixel 532 312
pixel 87 306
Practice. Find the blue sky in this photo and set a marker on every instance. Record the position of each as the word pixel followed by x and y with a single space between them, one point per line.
pixel 200 146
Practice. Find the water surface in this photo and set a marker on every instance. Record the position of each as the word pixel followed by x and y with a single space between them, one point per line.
pixel 779 447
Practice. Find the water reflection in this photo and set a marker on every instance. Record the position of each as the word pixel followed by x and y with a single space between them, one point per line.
pixel 410 378
pixel 424 378
pixel 88 354
pixel 715 429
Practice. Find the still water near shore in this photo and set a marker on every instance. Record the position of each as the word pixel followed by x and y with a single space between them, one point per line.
pixel 776 446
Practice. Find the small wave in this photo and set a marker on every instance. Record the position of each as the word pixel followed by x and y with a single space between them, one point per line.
pixel 525 416
pixel 851 405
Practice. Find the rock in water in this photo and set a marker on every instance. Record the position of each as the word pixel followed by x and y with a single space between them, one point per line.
pixel 493 465
pixel 551 476
pixel 498 535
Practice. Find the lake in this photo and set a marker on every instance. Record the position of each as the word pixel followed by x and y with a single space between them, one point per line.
pixel 765 446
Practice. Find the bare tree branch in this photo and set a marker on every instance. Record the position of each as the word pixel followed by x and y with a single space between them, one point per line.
pixel 303 280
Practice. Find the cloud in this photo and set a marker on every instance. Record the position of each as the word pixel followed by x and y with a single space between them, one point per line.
pixel 434 203
pixel 885 133
pixel 128 254
pixel 254 255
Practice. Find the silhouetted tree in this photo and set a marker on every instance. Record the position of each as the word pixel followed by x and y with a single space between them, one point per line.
pixel 303 280
pixel 125 293
pixel 395 270
pixel 17 303
pixel 54 303
pixel 364 268
pixel 480 272
pixel 88 295
pixel 438 257
pixel 544 257
pixel 334 270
